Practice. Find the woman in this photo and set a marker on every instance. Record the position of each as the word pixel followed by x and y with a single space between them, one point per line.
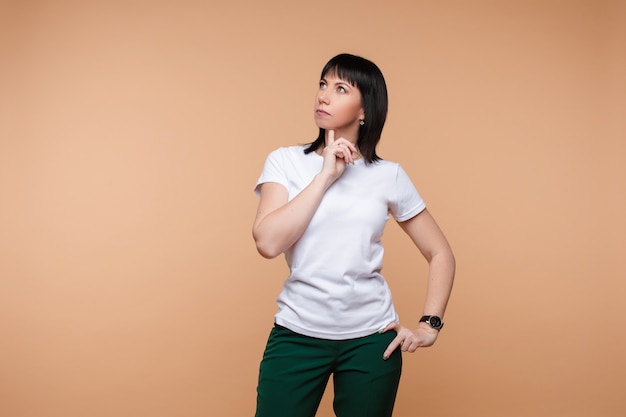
pixel 325 205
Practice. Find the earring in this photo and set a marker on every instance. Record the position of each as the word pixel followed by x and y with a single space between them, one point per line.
pixel 361 122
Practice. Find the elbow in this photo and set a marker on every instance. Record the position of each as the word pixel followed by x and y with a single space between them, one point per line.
pixel 444 257
pixel 266 250
pixel 450 259
pixel 267 245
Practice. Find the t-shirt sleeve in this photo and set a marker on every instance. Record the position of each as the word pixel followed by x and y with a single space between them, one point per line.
pixel 407 201
pixel 273 170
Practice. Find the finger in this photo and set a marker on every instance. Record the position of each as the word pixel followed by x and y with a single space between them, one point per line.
pixel 331 137
pixel 349 152
pixel 391 326
pixel 345 152
pixel 340 153
pixel 392 346
pixel 343 141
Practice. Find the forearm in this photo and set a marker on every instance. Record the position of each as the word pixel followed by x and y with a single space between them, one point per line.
pixel 278 230
pixel 440 280
pixel 431 242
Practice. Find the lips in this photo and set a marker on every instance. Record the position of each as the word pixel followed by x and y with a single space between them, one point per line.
pixel 321 112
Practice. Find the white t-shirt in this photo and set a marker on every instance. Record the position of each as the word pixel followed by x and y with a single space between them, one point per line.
pixel 335 289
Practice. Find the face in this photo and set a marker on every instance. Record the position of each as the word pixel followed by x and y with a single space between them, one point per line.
pixel 338 105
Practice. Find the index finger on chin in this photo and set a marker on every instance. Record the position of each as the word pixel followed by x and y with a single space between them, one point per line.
pixel 331 136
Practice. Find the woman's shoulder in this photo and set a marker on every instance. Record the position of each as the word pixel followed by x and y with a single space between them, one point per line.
pixel 292 151
pixel 385 164
pixel 388 169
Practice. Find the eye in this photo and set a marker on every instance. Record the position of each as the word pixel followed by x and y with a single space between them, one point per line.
pixel 322 84
pixel 341 90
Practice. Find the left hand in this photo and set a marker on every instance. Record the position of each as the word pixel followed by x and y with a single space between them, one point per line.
pixel 409 340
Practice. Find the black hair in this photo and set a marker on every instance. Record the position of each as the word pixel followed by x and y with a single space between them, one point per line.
pixel 368 78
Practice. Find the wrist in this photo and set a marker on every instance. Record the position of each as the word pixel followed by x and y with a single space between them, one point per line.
pixel 426 328
pixel 434 322
pixel 324 180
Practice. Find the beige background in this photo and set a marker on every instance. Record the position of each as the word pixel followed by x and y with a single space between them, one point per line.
pixel 131 135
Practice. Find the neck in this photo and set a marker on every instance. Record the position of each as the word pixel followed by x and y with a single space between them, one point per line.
pixel 350 136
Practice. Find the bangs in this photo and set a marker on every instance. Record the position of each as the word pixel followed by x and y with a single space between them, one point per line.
pixel 348 75
pixel 352 69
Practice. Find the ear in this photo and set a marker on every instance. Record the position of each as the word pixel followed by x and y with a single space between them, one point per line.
pixel 362 114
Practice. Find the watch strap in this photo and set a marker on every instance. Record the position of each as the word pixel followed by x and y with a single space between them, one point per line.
pixel 433 321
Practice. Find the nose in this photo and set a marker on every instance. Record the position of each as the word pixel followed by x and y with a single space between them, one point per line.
pixel 322 98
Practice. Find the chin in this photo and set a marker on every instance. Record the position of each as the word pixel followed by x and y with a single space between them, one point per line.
pixel 323 125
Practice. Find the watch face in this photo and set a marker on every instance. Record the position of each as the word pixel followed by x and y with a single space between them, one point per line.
pixel 435 322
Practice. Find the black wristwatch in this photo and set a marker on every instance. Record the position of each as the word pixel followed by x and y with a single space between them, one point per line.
pixel 433 321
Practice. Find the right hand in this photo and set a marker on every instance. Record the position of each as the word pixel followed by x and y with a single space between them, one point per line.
pixel 337 154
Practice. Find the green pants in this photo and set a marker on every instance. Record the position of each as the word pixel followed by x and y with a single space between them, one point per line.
pixel 295 370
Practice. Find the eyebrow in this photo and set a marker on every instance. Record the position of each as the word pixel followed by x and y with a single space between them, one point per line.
pixel 340 82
